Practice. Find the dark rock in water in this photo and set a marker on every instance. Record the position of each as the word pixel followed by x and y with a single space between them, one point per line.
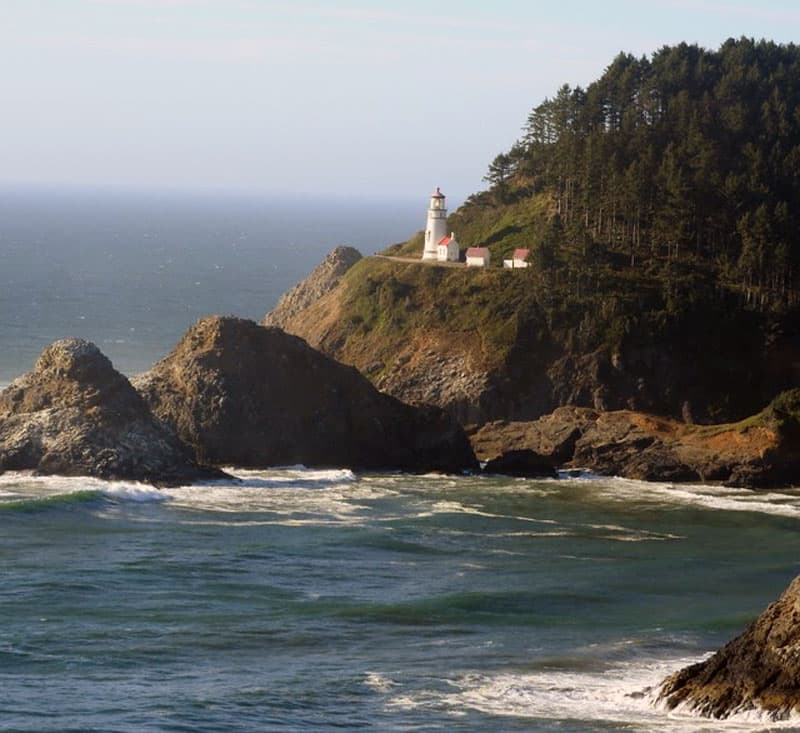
pixel 325 277
pixel 552 436
pixel 634 445
pixel 248 395
pixel 522 463
pixel 759 670
pixel 74 414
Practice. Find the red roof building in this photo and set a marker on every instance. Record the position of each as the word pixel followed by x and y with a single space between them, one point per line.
pixel 447 249
pixel 478 257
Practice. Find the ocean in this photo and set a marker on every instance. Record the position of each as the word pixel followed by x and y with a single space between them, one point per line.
pixel 293 599
pixel 132 271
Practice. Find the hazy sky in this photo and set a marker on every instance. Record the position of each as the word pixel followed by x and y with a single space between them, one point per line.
pixel 347 96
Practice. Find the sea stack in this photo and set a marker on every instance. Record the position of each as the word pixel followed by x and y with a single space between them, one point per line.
pixel 249 395
pixel 759 670
pixel 74 414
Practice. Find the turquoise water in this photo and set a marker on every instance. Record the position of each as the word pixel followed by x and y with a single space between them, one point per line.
pixel 298 600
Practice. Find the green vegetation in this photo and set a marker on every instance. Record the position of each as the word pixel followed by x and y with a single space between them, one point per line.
pixel 781 414
pixel 386 302
pixel 688 162
pixel 784 412
pixel 661 206
pixel 678 173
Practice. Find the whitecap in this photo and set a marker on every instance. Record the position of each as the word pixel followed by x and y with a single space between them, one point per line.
pixel 289 496
pixel 622 694
pixel 283 475
pixel 134 492
pixel 378 682
pixel 617 490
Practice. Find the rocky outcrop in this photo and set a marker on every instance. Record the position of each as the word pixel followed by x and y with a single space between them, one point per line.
pixel 759 670
pixel 522 463
pixel 321 281
pixel 761 451
pixel 248 395
pixel 74 414
pixel 552 436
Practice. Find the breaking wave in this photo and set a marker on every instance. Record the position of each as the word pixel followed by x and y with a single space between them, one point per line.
pixel 618 694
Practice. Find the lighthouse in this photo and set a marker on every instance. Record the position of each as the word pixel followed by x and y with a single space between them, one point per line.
pixel 436 228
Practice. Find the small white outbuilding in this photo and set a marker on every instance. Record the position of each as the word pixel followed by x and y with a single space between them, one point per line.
pixel 518 259
pixel 478 257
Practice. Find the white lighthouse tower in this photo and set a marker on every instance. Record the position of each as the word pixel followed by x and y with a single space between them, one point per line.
pixel 436 228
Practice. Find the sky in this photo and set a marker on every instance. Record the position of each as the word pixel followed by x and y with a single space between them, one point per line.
pixel 343 98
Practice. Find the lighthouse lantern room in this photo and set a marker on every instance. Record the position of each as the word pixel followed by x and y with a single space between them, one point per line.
pixel 436 228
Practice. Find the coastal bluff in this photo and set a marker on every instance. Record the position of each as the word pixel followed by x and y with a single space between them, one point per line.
pixel 74 414
pixel 757 671
pixel 489 344
pixel 248 395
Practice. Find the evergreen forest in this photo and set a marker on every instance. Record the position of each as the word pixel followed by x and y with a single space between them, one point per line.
pixel 678 173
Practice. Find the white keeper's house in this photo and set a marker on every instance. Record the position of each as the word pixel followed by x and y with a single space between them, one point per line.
pixel 447 249
pixel 438 244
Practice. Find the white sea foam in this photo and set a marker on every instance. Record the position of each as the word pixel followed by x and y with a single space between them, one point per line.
pixel 23 486
pixel 618 694
pixel 138 493
pixel 455 507
pixel 785 503
pixel 292 474
pixel 378 682
pixel 626 534
pixel 292 496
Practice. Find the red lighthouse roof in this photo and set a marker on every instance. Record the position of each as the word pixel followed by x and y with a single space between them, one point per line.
pixel 437 194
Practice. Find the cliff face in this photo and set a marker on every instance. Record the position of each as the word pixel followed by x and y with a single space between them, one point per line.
pixel 322 280
pixel 759 670
pixel 74 414
pixel 492 344
pixel 243 394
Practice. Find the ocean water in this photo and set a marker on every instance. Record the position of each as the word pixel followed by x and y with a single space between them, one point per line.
pixel 132 271
pixel 301 600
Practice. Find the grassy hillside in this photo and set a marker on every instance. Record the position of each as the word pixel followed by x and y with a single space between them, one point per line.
pixel 383 303
pixel 485 223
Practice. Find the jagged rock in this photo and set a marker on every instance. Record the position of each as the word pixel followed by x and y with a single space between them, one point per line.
pixel 74 414
pixel 522 463
pixel 758 670
pixel 248 395
pixel 634 445
pixel 552 436
pixel 759 452
pixel 322 280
